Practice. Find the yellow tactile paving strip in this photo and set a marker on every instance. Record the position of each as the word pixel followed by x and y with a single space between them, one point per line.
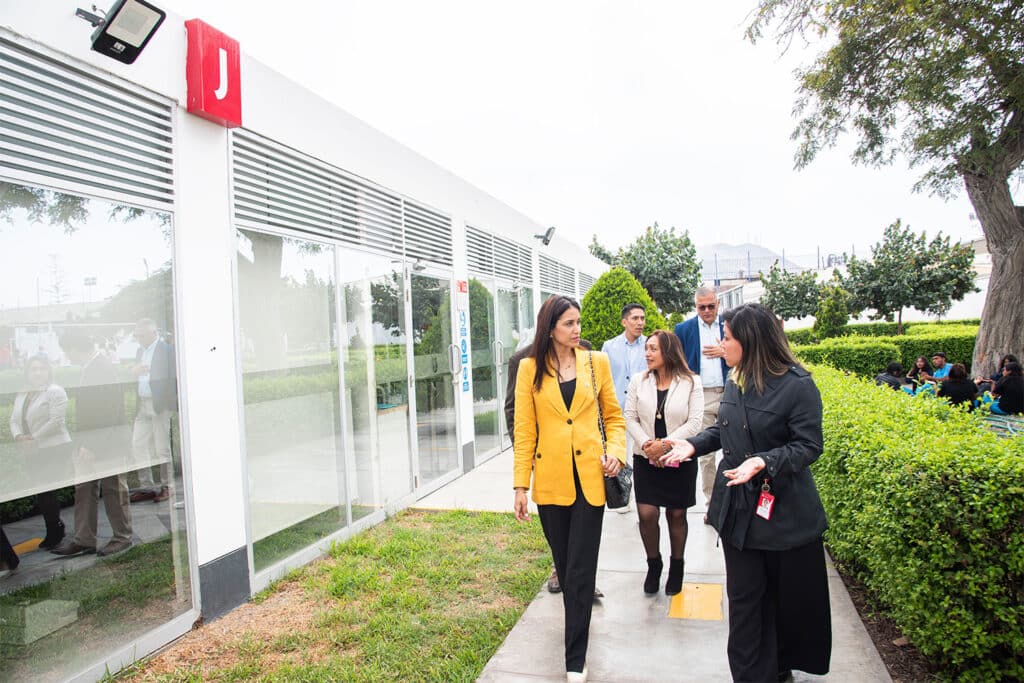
pixel 28 546
pixel 697 601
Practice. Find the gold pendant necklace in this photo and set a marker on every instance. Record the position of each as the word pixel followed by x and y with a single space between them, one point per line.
pixel 661 407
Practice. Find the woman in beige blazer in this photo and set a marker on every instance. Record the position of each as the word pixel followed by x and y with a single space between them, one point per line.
pixel 38 423
pixel 663 405
pixel 558 441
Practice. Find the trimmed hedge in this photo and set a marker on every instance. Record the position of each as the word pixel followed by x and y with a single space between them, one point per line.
pixel 867 356
pixel 806 335
pixel 926 508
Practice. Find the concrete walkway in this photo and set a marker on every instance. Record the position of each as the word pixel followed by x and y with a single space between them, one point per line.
pixel 633 638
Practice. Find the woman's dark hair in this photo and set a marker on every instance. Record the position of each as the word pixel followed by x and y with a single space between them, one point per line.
pixel 1014 369
pixel 927 366
pixel 766 351
pixel 1008 358
pixel 542 349
pixel 958 372
pixel 671 353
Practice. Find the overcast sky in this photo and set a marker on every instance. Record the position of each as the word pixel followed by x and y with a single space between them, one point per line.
pixel 596 117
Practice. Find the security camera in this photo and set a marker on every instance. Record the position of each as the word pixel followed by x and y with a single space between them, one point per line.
pixel 545 239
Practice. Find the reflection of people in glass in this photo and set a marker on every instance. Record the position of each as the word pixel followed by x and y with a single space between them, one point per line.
pixel 99 409
pixel 156 394
pixel 38 423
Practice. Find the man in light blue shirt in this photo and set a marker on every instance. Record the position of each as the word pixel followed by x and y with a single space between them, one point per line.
pixel 941 370
pixel 627 356
pixel 626 352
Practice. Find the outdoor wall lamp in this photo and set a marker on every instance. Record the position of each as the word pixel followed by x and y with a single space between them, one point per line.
pixel 545 238
pixel 124 30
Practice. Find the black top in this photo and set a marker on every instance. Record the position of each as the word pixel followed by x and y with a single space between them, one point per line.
pixel 660 430
pixel 891 381
pixel 963 391
pixel 1010 390
pixel 784 429
pixel 568 389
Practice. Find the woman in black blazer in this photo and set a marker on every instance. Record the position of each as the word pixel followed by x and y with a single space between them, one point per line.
pixel 765 504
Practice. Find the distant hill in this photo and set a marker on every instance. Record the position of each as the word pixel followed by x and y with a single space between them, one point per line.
pixel 738 260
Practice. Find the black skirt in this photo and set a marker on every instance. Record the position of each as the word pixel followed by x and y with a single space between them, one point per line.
pixel 668 487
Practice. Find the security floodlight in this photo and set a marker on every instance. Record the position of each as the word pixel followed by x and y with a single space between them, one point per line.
pixel 125 30
pixel 546 237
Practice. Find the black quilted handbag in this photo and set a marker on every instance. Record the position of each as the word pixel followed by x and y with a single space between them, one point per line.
pixel 617 488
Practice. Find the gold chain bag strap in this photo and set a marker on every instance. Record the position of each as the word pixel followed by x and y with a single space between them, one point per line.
pixel 617 488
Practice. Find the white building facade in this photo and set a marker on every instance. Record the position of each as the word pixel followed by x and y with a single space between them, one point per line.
pixel 333 316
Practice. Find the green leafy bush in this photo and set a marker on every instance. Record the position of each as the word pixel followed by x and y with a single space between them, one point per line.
pixel 866 356
pixel 602 306
pixel 804 335
pixel 957 343
pixel 833 312
pixel 926 508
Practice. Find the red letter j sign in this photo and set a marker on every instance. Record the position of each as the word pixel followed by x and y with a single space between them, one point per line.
pixel 213 74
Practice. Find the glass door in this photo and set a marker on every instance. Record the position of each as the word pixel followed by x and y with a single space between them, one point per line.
pixel 435 367
pixel 488 389
pixel 495 310
pixel 376 380
pixel 509 337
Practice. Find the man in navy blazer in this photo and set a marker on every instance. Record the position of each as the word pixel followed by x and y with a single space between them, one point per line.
pixel 156 393
pixel 701 337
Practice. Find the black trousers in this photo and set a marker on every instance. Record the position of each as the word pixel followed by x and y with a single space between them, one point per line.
pixel 574 534
pixel 7 554
pixel 779 616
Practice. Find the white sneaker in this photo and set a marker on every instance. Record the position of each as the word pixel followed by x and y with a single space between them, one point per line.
pixel 576 677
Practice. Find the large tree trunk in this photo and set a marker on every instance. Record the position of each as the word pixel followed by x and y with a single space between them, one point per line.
pixel 1002 319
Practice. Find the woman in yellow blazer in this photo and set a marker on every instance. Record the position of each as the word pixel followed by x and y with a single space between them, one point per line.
pixel 558 441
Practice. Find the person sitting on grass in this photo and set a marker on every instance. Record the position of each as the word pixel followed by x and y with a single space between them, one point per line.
pixel 917 373
pixel 940 368
pixel 1009 391
pixel 987 384
pixel 957 388
pixel 892 377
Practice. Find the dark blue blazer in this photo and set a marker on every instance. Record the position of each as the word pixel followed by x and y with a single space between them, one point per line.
pixel 689 336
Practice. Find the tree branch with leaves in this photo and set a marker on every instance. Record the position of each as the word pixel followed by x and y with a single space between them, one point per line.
pixel 940 83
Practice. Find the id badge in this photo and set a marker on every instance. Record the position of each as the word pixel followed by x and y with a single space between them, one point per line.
pixel 764 505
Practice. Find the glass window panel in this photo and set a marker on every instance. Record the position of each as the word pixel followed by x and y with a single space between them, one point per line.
pixel 527 317
pixel 88 403
pixel 290 385
pixel 391 372
pixel 436 438
pixel 376 380
pixel 482 321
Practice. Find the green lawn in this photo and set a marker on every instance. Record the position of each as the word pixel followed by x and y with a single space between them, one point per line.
pixel 425 596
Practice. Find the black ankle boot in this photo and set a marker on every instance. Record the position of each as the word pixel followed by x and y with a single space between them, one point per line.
pixel 653 575
pixel 675 577
pixel 54 535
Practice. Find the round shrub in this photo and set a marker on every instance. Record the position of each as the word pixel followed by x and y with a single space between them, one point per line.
pixel 602 306
pixel 833 312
